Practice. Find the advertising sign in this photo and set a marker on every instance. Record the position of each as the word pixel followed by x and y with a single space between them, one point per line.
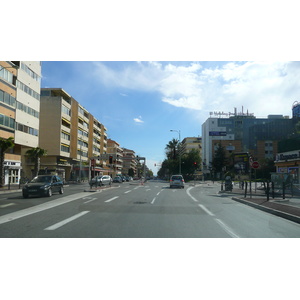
pixel 217 133
pixel 241 163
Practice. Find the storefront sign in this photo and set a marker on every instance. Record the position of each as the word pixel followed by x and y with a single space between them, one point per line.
pixel 288 156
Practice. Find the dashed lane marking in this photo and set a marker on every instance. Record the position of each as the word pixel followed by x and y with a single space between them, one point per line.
pixel 62 223
pixel 6 205
pixel 111 199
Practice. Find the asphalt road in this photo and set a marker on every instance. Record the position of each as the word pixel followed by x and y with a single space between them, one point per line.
pixel 128 210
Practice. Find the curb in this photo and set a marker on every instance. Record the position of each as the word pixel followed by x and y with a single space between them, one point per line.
pixel 272 211
pixel 3 192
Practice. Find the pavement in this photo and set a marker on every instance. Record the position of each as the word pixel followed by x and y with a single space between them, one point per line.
pixel 288 208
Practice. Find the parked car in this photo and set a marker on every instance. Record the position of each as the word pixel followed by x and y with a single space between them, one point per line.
pixel 101 180
pixel 118 179
pixel 177 181
pixel 43 185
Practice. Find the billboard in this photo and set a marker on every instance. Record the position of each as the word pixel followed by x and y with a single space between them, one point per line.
pixel 241 163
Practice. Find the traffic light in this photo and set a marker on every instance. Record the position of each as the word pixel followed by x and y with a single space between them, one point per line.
pixel 110 159
pixel 195 165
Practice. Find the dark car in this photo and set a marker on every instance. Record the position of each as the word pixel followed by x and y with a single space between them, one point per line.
pixel 118 179
pixel 101 180
pixel 43 185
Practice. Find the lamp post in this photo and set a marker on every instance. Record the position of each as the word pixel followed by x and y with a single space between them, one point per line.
pixel 178 131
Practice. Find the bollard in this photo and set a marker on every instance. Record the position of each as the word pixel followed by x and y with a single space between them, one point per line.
pixel 268 190
pixel 283 190
pixel 246 185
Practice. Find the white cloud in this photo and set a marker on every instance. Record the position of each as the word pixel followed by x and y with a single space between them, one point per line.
pixel 138 120
pixel 262 87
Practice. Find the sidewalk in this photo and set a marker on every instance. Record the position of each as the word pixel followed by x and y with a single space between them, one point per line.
pixel 288 208
pixel 13 189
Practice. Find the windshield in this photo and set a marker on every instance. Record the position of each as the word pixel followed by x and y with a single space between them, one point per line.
pixel 41 179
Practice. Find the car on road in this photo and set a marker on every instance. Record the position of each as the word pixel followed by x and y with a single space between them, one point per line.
pixel 118 179
pixel 177 181
pixel 101 180
pixel 43 185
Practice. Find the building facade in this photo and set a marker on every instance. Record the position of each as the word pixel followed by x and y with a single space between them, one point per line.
pixel 129 161
pixel 244 133
pixel 74 138
pixel 20 83
pixel 190 143
pixel 115 160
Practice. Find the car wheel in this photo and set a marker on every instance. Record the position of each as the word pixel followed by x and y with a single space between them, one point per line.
pixel 25 195
pixel 49 193
pixel 61 191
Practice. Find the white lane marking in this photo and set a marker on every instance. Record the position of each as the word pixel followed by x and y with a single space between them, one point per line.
pixel 227 228
pixel 127 192
pixel 6 205
pixel 62 223
pixel 153 200
pixel 111 199
pixel 188 192
pixel 206 210
pixel 38 208
pixel 148 190
pixel 90 200
pixel 222 224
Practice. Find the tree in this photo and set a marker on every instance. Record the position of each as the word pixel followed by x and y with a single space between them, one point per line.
pixel 35 154
pixel 190 163
pixel 172 149
pixel 219 159
pixel 131 172
pixel 5 144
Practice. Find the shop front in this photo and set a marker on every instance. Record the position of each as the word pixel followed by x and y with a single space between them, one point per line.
pixel 288 163
pixel 12 171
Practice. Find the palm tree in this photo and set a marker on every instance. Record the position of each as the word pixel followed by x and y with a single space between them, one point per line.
pixel 172 149
pixel 5 144
pixel 35 154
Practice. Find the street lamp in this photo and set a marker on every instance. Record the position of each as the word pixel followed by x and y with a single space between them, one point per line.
pixel 178 131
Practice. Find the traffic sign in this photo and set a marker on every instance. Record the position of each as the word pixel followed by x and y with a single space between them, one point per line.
pixel 255 165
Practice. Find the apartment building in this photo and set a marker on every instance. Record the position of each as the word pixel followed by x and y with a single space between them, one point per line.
pixel 129 161
pixel 190 143
pixel 20 83
pixel 73 138
pixel 115 153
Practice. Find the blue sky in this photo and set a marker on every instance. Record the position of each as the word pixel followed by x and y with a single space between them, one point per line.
pixel 140 102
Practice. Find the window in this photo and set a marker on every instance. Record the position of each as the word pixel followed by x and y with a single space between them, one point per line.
pixel 65 148
pixel 7 98
pixel 7 121
pixel 66 110
pixel 65 136
pixel 30 72
pixel 27 129
pixel 28 90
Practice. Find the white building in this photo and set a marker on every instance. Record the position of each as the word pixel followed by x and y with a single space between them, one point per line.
pixel 20 105
pixel 212 131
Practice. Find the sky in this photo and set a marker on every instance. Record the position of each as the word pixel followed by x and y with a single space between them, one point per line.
pixel 140 102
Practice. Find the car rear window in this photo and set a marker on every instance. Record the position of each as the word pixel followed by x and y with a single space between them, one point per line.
pixel 176 177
